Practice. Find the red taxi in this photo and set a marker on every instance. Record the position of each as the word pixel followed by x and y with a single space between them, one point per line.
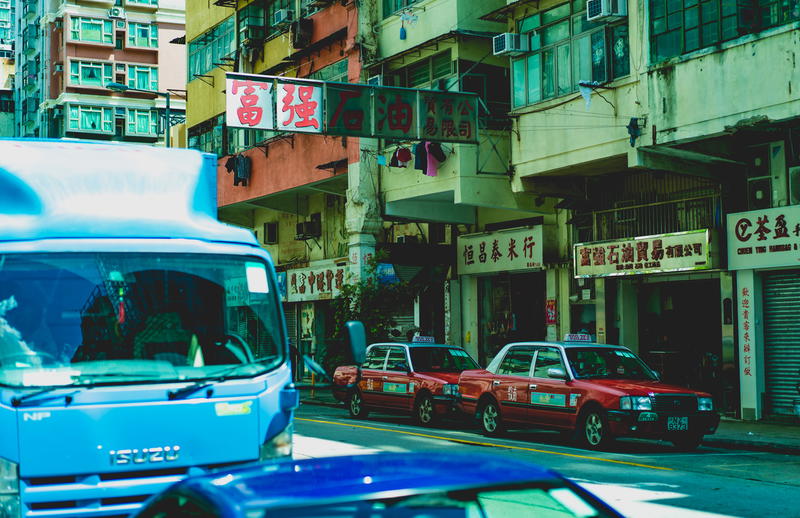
pixel 418 377
pixel 596 391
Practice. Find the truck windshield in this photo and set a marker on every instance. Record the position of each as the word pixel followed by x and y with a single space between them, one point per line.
pixel 80 318
pixel 440 359
pixel 587 362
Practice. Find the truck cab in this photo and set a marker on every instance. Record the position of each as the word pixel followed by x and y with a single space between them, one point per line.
pixel 141 340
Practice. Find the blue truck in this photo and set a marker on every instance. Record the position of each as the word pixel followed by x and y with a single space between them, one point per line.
pixel 141 340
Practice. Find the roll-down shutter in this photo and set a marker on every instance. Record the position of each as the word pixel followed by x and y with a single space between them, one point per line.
pixel 782 340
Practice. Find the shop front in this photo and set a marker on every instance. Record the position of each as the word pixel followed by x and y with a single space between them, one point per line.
pixel 507 269
pixel 308 309
pixel 660 296
pixel 764 251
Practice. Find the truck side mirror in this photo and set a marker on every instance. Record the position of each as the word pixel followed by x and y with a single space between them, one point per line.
pixel 358 340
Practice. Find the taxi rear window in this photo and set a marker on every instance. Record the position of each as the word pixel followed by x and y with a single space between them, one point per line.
pixel 441 359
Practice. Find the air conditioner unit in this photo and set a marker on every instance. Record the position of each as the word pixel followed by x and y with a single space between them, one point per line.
pixel 58 67
pixel 794 185
pixel 120 24
pixel 510 44
pixel 283 17
pixel 606 9
pixel 302 31
pixel 58 111
pixel 116 12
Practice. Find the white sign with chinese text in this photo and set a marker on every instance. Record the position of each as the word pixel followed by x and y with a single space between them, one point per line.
pixel 248 103
pixel 299 107
pixel 681 251
pixel 764 238
pixel 319 282
pixel 507 250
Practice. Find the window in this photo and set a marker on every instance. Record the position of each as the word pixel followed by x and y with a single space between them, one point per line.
pixel 251 17
pixel 94 119
pixel 143 35
pixel 547 359
pixel 376 358
pixel 276 5
pixel 422 73
pixel 565 50
pixel 336 72
pixel 89 73
pixel 392 6
pixel 142 122
pixel 517 362
pixel 92 29
pixel 207 136
pixel 211 47
pixel 141 2
pixel 143 77
pixel 397 360
pixel 241 139
pixel 681 26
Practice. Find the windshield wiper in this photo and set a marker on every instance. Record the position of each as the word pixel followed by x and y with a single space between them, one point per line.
pixel 204 383
pixel 18 401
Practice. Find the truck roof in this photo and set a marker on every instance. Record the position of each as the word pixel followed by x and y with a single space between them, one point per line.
pixel 54 189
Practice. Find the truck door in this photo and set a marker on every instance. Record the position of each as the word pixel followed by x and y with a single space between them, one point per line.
pixel 510 383
pixel 550 393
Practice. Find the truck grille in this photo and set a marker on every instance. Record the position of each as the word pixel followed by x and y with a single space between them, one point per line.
pixel 677 403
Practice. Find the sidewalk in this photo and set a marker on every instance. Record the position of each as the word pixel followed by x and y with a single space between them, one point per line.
pixel 731 434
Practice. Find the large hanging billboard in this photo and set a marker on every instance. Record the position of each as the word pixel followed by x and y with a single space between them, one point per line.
pixel 348 109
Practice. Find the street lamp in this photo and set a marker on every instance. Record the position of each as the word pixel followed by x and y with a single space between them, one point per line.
pixel 119 87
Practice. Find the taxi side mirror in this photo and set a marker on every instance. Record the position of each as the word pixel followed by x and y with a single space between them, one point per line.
pixel 657 375
pixel 557 373
pixel 357 337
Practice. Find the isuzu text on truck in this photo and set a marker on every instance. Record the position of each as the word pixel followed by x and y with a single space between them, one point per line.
pixel 141 340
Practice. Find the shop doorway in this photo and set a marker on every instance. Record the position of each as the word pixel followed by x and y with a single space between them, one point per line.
pixel 680 333
pixel 511 310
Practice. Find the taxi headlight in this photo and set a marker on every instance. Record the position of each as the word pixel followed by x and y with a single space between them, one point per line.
pixel 705 404
pixel 9 489
pixel 450 389
pixel 278 446
pixel 635 403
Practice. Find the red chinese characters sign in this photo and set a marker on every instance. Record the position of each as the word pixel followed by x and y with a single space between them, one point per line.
pixel 764 238
pixel 248 102
pixel 518 249
pixel 681 251
pixel 311 106
pixel 322 281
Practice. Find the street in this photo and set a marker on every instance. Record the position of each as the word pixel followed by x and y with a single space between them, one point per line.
pixel 639 478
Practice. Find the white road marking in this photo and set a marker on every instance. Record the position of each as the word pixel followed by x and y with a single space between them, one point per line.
pixel 634 501
pixel 312 447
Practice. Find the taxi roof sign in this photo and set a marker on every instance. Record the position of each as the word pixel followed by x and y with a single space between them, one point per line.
pixel 578 337
pixel 423 340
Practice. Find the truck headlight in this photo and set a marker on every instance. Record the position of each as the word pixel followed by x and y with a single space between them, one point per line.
pixel 9 489
pixel 450 389
pixel 278 446
pixel 705 404
pixel 635 403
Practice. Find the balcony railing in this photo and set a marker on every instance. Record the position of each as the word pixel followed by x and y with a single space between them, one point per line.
pixel 630 220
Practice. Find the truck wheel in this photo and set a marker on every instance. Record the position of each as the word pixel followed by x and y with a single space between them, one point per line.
pixel 592 431
pixel 424 413
pixel 491 422
pixel 355 405
pixel 686 442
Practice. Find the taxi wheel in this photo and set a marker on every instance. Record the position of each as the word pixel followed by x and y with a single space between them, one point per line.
pixel 491 422
pixel 424 413
pixel 688 442
pixel 355 405
pixel 593 429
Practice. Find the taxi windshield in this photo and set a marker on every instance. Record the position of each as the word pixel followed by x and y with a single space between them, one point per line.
pixel 441 359
pixel 588 362
pixel 88 318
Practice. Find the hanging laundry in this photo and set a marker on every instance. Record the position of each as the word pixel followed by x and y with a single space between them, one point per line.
pixel 382 160
pixel 241 170
pixel 435 153
pixel 230 163
pixel 401 157
pixel 420 156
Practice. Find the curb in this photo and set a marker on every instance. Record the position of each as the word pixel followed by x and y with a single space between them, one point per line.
pixel 320 402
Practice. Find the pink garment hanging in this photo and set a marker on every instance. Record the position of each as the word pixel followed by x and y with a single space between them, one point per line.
pixel 433 165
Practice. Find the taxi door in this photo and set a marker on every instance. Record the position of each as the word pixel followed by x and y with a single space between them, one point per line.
pixel 372 372
pixel 510 383
pixel 398 390
pixel 550 400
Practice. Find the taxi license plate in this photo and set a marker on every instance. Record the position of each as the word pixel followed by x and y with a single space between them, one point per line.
pixel 677 424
